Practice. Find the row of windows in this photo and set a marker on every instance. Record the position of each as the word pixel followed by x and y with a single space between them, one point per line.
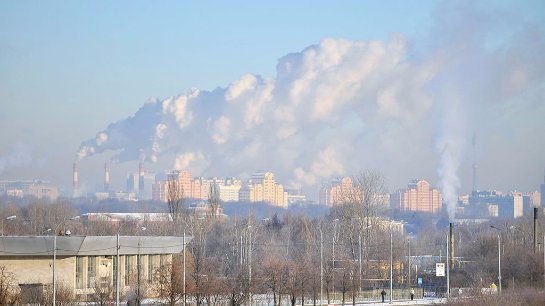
pixel 133 263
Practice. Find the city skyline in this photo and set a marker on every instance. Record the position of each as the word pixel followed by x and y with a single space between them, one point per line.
pixel 400 95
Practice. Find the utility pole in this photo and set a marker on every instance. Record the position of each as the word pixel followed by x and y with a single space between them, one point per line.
pixel 54 260
pixel 448 269
pixel 117 274
pixel 499 261
pixel 138 266
pixel 321 268
pixel 333 269
pixel 359 262
pixel 250 265
pixel 183 262
pixel 391 263
pixel 499 257
pixel 409 274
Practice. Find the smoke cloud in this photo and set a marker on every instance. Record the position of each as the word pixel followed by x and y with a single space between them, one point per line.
pixel 19 156
pixel 342 105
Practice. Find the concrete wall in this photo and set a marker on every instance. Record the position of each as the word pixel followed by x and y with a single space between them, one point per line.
pixel 40 269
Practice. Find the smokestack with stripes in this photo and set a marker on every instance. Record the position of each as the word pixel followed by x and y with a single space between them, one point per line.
pixel 141 178
pixel 106 177
pixel 75 178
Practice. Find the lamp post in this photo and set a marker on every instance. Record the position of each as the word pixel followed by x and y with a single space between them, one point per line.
pixel 499 257
pixel 138 267
pixel 183 262
pixel 55 257
pixel 448 269
pixel 9 218
pixel 391 262
pixel 117 274
pixel 360 254
pixel 250 265
pixel 333 269
pixel 321 268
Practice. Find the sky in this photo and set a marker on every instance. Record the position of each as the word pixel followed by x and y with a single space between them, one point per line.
pixel 309 90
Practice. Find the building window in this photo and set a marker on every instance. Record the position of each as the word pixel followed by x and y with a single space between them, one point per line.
pixel 115 267
pixel 128 268
pixel 91 271
pixel 151 267
pixel 163 260
pixel 79 273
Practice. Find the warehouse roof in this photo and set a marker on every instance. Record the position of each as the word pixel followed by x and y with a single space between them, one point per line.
pixel 89 245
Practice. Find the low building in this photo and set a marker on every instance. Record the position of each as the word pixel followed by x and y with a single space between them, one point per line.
pixel 35 188
pixel 507 205
pixel 86 262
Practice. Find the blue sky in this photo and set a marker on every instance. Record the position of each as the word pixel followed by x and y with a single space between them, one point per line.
pixel 70 68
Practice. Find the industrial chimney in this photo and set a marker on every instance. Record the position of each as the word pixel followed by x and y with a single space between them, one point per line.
pixel 106 177
pixel 451 241
pixel 141 178
pixel 75 177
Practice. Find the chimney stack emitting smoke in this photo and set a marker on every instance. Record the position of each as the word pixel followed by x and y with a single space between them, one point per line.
pixel 75 177
pixel 141 178
pixel 106 177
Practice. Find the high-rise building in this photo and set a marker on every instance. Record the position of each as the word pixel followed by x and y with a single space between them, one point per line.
pixel 263 188
pixel 132 182
pixel 189 187
pixel 337 192
pixel 418 197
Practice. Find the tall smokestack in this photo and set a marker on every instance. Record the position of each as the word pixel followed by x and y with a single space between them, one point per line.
pixel 106 177
pixel 141 178
pixel 75 177
pixel 451 238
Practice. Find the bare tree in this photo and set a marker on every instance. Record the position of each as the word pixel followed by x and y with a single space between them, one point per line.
pixel 213 200
pixel 168 284
pixel 237 287
pixel 274 277
pixel 102 292
pixel 175 198
pixel 64 297
pixel 8 290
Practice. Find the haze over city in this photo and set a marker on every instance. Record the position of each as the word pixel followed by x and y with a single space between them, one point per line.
pixel 309 92
pixel 272 153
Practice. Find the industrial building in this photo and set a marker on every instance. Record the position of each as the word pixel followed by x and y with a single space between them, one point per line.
pixel 85 262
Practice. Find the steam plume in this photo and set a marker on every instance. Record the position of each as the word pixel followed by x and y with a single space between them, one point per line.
pixel 341 105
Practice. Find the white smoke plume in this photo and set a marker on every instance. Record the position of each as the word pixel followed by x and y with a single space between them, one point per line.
pixel 342 105
pixel 19 156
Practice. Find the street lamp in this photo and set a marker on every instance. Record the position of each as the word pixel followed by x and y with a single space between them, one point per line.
pixel 321 267
pixel 138 267
pixel 55 257
pixel 9 218
pixel 333 270
pixel 183 262
pixel 360 254
pixel 117 274
pixel 250 265
pixel 499 257
pixel 391 262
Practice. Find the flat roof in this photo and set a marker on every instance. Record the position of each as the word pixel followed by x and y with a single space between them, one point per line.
pixel 16 246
